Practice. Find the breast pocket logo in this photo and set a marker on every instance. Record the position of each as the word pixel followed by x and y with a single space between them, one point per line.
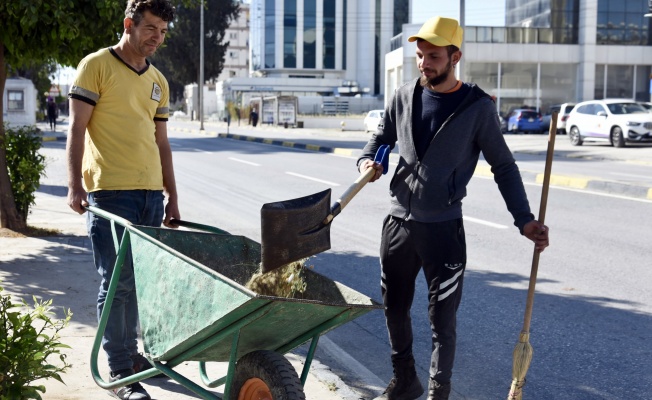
pixel 156 92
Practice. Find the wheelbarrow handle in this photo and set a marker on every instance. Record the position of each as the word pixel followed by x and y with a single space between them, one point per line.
pixel 108 215
pixel 200 227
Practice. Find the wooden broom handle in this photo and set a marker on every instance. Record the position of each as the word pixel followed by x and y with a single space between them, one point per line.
pixel 552 134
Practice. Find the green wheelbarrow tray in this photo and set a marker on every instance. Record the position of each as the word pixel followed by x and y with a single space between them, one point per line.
pixel 194 306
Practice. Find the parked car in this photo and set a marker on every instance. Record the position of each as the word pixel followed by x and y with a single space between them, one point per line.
pixel 503 123
pixel 646 105
pixel 616 121
pixel 547 117
pixel 372 120
pixel 563 110
pixel 562 117
pixel 524 120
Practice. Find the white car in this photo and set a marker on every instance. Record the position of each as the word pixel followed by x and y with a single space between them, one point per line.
pixel 646 105
pixel 372 120
pixel 562 117
pixel 615 121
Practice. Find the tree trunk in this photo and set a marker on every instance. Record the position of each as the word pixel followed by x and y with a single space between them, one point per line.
pixel 9 217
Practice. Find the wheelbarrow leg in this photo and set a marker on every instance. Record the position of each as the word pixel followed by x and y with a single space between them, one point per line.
pixel 309 358
pixel 228 379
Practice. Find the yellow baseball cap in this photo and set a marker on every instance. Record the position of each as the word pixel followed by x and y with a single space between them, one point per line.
pixel 441 32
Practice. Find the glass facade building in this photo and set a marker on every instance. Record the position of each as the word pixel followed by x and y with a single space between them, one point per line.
pixel 550 52
pixel 335 39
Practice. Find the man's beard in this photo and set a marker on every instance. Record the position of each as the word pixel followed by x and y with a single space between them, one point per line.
pixel 440 78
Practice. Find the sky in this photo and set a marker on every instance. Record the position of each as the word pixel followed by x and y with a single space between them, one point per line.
pixel 478 13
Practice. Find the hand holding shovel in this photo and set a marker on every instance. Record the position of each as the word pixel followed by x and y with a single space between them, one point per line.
pixel 298 228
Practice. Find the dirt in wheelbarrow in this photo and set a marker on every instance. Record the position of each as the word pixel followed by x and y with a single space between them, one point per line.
pixel 287 281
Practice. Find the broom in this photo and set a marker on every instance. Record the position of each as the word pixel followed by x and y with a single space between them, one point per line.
pixel 523 350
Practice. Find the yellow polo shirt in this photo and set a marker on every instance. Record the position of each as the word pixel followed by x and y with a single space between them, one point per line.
pixel 120 148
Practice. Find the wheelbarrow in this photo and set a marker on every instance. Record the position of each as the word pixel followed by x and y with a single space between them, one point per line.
pixel 194 306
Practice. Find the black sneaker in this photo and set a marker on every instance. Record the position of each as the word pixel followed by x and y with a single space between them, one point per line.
pixel 135 391
pixel 402 389
pixel 438 391
pixel 141 363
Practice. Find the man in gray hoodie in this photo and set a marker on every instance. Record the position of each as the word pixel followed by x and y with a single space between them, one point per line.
pixel 441 125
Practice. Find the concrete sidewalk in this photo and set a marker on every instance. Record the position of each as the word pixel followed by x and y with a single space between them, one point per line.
pixel 61 268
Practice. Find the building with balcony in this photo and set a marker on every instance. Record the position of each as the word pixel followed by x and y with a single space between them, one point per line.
pixel 236 62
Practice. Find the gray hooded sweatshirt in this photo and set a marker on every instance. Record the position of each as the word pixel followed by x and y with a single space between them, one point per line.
pixel 432 189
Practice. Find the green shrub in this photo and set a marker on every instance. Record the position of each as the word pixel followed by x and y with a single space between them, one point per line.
pixel 28 337
pixel 25 164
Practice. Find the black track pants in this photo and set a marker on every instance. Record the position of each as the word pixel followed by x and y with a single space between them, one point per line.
pixel 440 248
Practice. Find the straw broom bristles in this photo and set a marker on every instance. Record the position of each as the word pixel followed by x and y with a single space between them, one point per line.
pixel 522 359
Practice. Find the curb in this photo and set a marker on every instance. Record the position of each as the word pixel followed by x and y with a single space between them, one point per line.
pixel 303 146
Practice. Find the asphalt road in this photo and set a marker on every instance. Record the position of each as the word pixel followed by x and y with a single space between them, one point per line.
pixel 592 312
pixel 593 309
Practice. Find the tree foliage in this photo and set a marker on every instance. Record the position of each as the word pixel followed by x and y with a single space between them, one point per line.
pixel 179 58
pixel 25 165
pixel 47 31
pixel 35 31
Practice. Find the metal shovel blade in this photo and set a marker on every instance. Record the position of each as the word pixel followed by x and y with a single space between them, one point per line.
pixel 293 229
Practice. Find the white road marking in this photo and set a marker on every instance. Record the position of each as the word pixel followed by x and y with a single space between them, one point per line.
pixel 631 175
pixel 244 162
pixel 584 191
pixel 483 222
pixel 312 179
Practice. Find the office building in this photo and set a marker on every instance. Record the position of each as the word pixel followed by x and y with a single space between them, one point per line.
pixel 550 52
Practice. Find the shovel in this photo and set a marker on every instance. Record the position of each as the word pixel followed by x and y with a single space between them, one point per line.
pixel 299 228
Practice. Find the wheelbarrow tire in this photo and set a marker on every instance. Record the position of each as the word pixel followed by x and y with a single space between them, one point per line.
pixel 265 371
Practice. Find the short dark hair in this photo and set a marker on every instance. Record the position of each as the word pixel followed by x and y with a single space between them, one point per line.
pixel 450 49
pixel 161 8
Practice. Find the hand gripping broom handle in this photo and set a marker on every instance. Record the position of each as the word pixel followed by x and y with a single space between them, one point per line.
pixel 542 216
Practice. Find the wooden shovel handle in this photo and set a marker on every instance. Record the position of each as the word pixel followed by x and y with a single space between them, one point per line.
pixel 346 197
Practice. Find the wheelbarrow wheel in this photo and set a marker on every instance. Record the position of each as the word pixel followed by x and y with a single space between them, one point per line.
pixel 265 375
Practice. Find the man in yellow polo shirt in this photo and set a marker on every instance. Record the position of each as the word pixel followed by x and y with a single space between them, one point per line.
pixel 119 160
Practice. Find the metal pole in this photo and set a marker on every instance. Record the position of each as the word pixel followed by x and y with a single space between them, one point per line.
pixel 201 68
pixel 460 71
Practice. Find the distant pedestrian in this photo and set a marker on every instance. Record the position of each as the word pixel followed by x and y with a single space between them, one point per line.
pixel 254 117
pixel 52 113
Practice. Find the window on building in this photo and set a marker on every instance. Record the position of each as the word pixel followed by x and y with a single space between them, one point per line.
pixel 233 35
pixel 643 82
pixel 309 34
pixel 232 73
pixel 270 39
pixel 623 22
pixel 518 85
pixel 329 35
pixel 15 100
pixel 620 81
pixel 557 84
pixel 290 34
